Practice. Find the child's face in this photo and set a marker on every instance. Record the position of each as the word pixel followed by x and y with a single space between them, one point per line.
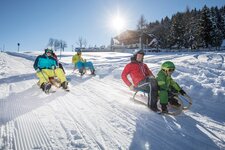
pixel 139 57
pixel 170 72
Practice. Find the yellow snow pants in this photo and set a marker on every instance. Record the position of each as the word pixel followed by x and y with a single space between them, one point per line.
pixel 45 74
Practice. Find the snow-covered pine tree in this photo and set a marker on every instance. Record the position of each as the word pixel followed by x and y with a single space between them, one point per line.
pixel 222 20
pixel 216 33
pixel 163 34
pixel 188 32
pixel 191 30
pixel 177 30
pixel 205 27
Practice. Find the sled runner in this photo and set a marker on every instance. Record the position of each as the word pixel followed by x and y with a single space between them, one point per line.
pixel 184 101
pixel 53 81
pixel 85 71
pixel 56 82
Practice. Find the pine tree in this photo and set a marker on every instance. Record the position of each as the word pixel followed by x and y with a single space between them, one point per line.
pixel 216 33
pixel 188 32
pixel 205 27
pixel 177 31
pixel 164 34
pixel 191 37
pixel 221 20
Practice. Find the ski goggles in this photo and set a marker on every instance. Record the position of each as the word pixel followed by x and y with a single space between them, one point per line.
pixel 171 70
pixel 49 51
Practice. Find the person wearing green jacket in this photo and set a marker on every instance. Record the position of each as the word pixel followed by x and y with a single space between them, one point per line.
pixel 167 86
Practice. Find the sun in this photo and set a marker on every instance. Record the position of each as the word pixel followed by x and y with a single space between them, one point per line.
pixel 118 23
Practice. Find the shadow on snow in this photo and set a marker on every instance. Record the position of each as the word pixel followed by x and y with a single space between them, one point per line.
pixel 18 78
pixel 164 132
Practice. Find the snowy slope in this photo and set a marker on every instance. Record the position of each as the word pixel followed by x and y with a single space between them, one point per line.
pixel 98 114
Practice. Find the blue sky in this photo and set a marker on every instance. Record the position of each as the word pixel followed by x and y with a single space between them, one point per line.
pixel 33 22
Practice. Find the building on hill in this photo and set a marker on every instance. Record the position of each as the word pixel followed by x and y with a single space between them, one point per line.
pixel 132 39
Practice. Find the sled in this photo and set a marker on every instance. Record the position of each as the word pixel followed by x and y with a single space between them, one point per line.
pixel 85 71
pixel 185 99
pixel 185 102
pixel 54 82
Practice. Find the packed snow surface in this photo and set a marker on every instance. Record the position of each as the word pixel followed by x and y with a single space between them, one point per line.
pixel 98 113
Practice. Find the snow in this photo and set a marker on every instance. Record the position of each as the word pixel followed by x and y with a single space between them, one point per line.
pixel 97 113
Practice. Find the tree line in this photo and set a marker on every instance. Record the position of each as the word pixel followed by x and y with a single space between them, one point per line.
pixel 56 44
pixel 193 29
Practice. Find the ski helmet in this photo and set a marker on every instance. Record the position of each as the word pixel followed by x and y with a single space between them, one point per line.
pixel 139 51
pixel 48 50
pixel 79 50
pixel 168 65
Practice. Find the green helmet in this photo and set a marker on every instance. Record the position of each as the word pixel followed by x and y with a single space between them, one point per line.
pixel 168 65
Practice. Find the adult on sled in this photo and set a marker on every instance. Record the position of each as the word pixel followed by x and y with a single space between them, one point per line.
pixel 81 64
pixel 167 86
pixel 142 78
pixel 46 67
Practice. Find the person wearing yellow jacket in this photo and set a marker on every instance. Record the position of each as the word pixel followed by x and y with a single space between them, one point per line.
pixel 167 86
pixel 81 64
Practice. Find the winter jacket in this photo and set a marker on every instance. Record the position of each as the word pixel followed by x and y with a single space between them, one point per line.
pixel 44 62
pixel 165 83
pixel 56 58
pixel 77 58
pixel 138 71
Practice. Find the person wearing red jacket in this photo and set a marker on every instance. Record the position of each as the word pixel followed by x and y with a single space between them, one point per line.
pixel 140 75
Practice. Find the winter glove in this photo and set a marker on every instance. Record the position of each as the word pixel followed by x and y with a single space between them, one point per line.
pixel 131 87
pixel 182 92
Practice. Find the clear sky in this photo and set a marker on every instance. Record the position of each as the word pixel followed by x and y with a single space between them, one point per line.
pixel 32 22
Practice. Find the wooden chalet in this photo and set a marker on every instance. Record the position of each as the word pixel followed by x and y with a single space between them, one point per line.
pixel 132 39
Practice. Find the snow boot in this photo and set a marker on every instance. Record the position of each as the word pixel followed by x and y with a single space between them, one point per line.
pixel 46 87
pixel 81 71
pixel 64 85
pixel 155 109
pixel 174 102
pixel 93 72
pixel 164 108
